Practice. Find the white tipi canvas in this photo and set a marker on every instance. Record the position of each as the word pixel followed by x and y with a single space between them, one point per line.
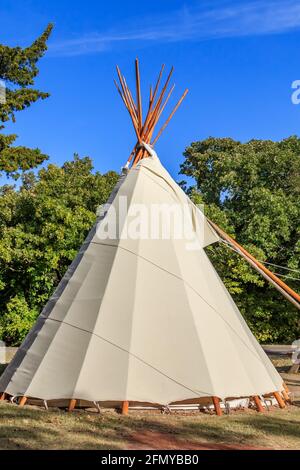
pixel 141 318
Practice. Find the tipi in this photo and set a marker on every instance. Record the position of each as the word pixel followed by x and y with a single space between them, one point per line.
pixel 142 320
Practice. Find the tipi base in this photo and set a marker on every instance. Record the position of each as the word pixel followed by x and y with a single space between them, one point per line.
pixel 205 404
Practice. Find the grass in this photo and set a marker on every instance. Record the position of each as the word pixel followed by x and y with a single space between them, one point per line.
pixel 35 428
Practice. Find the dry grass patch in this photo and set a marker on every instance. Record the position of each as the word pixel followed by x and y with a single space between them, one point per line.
pixel 35 428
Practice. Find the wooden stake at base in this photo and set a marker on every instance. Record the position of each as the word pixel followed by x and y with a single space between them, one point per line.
pixel 279 399
pixel 72 404
pixel 23 401
pixel 258 404
pixel 125 407
pixel 3 396
pixel 285 396
pixel 287 393
pixel 286 388
pixel 216 402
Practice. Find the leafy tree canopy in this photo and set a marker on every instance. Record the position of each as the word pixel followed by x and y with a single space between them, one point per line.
pixel 252 191
pixel 42 226
pixel 18 69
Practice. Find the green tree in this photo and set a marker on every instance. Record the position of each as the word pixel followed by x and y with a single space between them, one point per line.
pixel 252 191
pixel 18 69
pixel 42 225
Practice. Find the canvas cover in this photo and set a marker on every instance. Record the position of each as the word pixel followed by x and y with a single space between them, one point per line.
pixel 140 319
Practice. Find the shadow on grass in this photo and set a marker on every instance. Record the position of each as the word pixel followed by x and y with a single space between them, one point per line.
pixel 256 430
pixel 30 428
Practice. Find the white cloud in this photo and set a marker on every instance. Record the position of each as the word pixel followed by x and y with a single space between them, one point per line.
pixel 229 19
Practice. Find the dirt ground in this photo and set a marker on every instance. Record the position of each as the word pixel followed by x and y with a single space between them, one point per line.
pixel 152 440
pixel 31 427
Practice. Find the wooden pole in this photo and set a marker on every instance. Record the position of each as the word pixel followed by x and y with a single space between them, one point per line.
pixel 152 116
pixel 138 156
pixel 123 93
pixel 144 131
pixel 170 117
pixel 216 402
pixel 133 153
pixel 128 106
pixel 156 86
pixel 286 396
pixel 166 101
pixel 265 270
pixel 279 399
pixel 125 407
pixel 23 401
pixel 286 393
pixel 258 404
pixel 72 404
pixel 131 107
pixel 131 100
pixel 152 99
pixel 138 94
pixel 130 111
pixel 149 122
pixel 150 96
pixel 3 396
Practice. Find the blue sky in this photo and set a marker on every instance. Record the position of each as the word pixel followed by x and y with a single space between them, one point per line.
pixel 238 59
